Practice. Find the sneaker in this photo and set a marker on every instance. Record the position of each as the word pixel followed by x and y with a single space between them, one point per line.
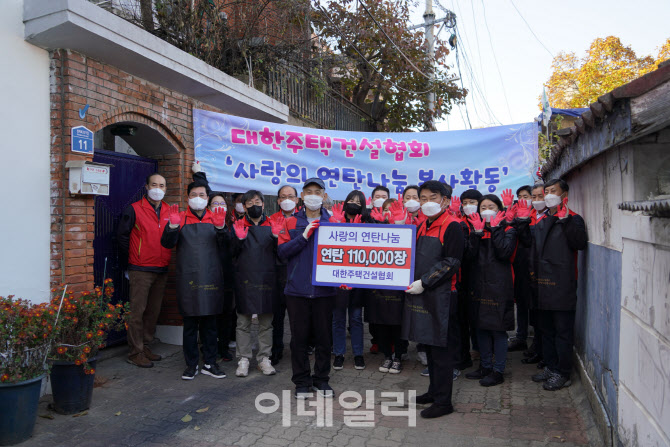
pixel 425 372
pixel 541 364
pixel 151 356
pixel 303 392
pixel 424 399
pixel 478 373
pixel 232 345
pixel 213 370
pixel 359 362
pixel 374 349
pixel 140 360
pixel 495 378
pixel 457 372
pixel 396 367
pixel 190 372
pixel 542 376
pixel 435 411
pixel 556 382
pixel 324 390
pixel 265 366
pixel 531 360
pixel 242 367
pixel 310 350
pixel 517 344
pixel 338 363
pixel 421 356
pixel 226 356
pixel 386 364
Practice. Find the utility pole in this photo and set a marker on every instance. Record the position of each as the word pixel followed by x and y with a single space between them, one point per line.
pixel 429 23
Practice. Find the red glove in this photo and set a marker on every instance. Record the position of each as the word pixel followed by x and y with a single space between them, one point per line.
pixel 277 224
pixel 398 211
pixel 522 210
pixel 562 212
pixel 510 214
pixel 507 197
pixel 310 229
pixel 377 215
pixel 455 206
pixel 400 198
pixel 420 217
pixel 345 287
pixel 175 217
pixel 219 217
pixel 338 214
pixel 368 201
pixel 357 219
pixel 498 218
pixel 477 222
pixel 241 229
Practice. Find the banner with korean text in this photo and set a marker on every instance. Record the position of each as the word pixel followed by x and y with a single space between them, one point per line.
pixel 239 154
pixel 373 256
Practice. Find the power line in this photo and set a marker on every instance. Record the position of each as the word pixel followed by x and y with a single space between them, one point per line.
pixel 531 29
pixel 495 59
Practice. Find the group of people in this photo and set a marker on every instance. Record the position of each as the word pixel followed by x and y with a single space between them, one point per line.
pixel 475 256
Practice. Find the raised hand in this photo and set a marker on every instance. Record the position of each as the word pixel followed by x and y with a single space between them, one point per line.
pixel 511 212
pixel 455 206
pixel 522 210
pixel 562 212
pixel 477 222
pixel 368 201
pixel 241 229
pixel 338 214
pixel 196 167
pixel 175 217
pixel 310 229
pixel 345 287
pixel 507 197
pixel 277 224
pixel 377 215
pixel 357 219
pixel 420 217
pixel 398 212
pixel 219 217
pixel 497 219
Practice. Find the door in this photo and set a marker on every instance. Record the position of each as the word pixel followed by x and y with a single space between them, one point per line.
pixel 127 180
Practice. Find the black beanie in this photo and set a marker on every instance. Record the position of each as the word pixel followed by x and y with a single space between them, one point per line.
pixel 471 194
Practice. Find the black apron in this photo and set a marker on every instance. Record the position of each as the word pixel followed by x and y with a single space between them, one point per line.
pixel 199 272
pixel 256 272
pixel 425 316
pixel 383 306
pixel 554 267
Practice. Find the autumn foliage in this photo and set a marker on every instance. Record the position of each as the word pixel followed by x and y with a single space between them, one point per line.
pixel 577 82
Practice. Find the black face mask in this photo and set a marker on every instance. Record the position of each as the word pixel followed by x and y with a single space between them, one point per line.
pixel 255 211
pixel 352 208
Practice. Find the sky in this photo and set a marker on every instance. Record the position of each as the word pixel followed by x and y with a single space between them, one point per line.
pixel 510 65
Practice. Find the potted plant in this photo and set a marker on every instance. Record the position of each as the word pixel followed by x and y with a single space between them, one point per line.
pixel 85 320
pixel 26 330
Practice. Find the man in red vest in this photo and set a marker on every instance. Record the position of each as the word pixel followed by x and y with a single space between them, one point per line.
pixel 139 234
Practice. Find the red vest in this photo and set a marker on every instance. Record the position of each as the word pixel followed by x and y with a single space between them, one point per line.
pixel 145 238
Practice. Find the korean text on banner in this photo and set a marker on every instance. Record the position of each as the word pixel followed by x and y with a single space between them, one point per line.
pixel 370 256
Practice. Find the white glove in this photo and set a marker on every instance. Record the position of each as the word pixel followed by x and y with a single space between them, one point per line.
pixel 196 167
pixel 310 229
pixel 415 288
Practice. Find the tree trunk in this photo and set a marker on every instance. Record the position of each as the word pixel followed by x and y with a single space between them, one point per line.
pixel 147 14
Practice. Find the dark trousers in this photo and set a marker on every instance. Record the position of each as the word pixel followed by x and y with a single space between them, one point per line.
pixel 225 329
pixel 388 337
pixel 521 318
pixel 557 339
pixel 372 328
pixel 533 319
pixel 463 327
pixel 206 327
pixel 441 360
pixel 309 316
pixel 279 309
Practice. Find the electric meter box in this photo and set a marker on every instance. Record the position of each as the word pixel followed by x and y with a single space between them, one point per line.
pixel 88 178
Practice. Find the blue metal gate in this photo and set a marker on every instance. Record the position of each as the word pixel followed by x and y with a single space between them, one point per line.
pixel 127 180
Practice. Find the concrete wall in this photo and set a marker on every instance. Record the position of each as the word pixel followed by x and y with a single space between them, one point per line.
pixel 24 166
pixel 623 318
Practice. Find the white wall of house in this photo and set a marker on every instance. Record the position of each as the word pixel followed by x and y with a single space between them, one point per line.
pixel 24 161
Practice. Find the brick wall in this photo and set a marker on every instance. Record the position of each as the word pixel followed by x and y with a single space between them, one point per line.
pixel 113 96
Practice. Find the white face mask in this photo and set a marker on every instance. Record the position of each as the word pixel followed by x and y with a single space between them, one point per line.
pixel 552 200
pixel 529 202
pixel 156 194
pixel 313 202
pixel 287 205
pixel 239 207
pixel 197 203
pixel 469 209
pixel 539 205
pixel 378 203
pixel 412 206
pixel 431 208
pixel 487 215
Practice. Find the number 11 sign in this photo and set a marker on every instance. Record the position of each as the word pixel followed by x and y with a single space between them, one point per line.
pixel 82 140
pixel 372 256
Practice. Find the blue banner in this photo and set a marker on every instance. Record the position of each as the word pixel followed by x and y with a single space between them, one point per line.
pixel 239 154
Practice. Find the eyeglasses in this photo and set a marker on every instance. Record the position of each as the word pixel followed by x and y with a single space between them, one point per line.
pixel 218 203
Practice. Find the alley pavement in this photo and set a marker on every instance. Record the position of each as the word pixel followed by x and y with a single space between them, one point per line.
pixel 155 407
